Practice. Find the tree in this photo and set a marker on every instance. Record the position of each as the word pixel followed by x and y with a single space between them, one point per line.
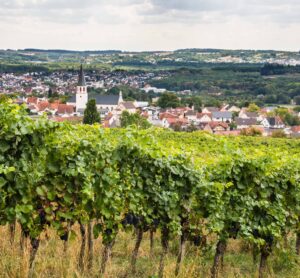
pixel 128 119
pixel 50 93
pixel 91 114
pixel 291 120
pixel 278 134
pixel 297 100
pixel 252 131
pixel 193 101
pixel 168 100
pixel 253 107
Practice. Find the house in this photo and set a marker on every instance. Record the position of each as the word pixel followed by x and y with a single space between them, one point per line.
pixel 208 110
pixel 243 123
pixel 273 122
pixel 165 115
pixel 64 110
pixel 233 109
pixel 191 115
pixel 111 121
pixel 216 127
pixel 248 115
pixel 295 129
pixel 203 118
pixel 32 100
pixel 171 122
pixel 128 106
pixel 141 104
pixel 222 116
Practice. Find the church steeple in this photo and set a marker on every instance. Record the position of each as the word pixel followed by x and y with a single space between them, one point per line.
pixel 81 78
pixel 81 93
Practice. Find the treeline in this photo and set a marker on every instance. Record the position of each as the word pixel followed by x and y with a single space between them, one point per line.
pixel 233 83
pixel 22 68
pixel 62 51
pixel 277 69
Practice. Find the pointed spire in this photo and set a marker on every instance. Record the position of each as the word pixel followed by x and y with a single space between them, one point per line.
pixel 120 96
pixel 81 78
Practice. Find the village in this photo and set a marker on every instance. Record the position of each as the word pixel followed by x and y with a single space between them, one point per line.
pixel 224 120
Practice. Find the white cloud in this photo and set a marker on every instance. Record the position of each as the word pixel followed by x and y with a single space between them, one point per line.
pixel 149 24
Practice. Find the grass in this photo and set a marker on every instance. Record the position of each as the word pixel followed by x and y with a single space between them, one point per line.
pixel 52 261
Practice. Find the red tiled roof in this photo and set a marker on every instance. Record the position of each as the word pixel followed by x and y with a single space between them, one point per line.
pixel 32 100
pixel 65 109
pixel 53 106
pixel 43 105
pixel 173 121
pixel 296 129
pixel 216 124
pixel 167 115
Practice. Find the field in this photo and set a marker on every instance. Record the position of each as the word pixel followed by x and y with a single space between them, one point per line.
pixel 53 261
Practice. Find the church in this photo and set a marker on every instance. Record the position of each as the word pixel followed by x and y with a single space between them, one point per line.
pixel 105 103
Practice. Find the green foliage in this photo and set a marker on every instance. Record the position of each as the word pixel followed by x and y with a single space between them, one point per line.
pixel 287 116
pixel 251 131
pixel 193 101
pixel 253 107
pixel 91 115
pixel 168 100
pixel 278 134
pixel 196 184
pixel 297 100
pixel 129 119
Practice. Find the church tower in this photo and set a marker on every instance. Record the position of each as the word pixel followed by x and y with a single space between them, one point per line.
pixel 81 93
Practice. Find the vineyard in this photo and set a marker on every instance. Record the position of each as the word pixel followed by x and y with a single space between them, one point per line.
pixel 195 188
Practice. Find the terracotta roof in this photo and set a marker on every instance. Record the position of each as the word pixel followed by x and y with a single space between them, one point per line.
pixel 43 105
pixel 53 106
pixel 173 121
pixel 32 100
pixel 216 124
pixel 167 115
pixel 65 109
pixel 296 129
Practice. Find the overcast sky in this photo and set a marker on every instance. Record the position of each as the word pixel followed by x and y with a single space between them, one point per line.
pixel 150 24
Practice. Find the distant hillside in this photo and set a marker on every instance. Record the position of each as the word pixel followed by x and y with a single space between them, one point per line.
pixel 63 51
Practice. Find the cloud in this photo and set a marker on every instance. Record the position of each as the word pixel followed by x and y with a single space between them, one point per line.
pixel 149 24
pixel 151 11
pixel 64 11
pixel 219 10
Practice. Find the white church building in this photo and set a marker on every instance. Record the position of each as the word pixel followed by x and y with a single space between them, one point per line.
pixel 105 103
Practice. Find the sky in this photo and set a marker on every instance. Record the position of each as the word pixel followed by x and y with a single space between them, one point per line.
pixel 139 25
